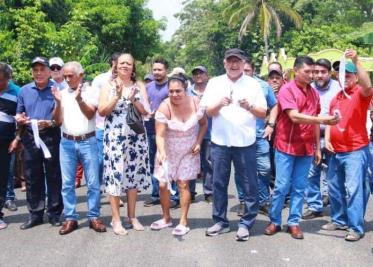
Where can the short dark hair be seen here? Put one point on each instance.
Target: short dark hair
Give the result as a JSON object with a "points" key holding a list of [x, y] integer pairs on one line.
{"points": [[5, 70], [114, 57], [250, 62], [300, 60], [323, 62], [161, 61], [178, 78]]}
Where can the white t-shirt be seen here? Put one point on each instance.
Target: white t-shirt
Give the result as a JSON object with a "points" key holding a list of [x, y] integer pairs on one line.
{"points": [[74, 121], [98, 83], [233, 126]]}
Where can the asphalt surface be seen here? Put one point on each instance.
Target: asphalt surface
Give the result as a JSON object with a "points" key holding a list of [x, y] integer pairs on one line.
{"points": [[43, 246]]}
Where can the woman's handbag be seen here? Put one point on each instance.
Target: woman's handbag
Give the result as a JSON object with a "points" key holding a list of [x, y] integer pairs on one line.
{"points": [[134, 119]]}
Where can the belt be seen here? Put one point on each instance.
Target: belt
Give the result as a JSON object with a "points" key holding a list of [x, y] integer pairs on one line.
{"points": [[78, 137]]}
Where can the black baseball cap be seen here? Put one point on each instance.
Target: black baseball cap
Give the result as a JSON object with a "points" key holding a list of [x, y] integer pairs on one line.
{"points": [[234, 52], [200, 68], [274, 71], [40, 60]]}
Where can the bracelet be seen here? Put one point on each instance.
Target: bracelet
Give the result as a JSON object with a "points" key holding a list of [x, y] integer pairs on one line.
{"points": [[271, 124], [18, 138]]}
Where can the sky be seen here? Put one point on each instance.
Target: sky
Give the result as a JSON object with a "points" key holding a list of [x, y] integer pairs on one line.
{"points": [[166, 8]]}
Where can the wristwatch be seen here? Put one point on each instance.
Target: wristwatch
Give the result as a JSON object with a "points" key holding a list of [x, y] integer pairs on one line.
{"points": [[53, 123], [271, 124]]}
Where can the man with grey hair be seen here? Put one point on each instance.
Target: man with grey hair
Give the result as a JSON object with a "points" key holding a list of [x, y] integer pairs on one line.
{"points": [[75, 111]]}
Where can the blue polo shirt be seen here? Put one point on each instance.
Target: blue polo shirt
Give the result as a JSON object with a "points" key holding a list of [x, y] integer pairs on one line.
{"points": [[271, 101], [37, 104], [8, 106], [156, 94]]}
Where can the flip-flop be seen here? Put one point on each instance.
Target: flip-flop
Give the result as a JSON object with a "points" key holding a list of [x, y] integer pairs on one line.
{"points": [[180, 230], [160, 224]]}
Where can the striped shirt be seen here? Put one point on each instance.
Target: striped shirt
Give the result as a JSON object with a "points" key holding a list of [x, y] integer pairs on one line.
{"points": [[8, 107]]}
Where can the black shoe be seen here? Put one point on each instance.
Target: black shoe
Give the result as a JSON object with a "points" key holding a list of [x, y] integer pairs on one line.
{"points": [[264, 209], [310, 214], [152, 202], [55, 221], [174, 204], [208, 198], [241, 209], [31, 223], [325, 200]]}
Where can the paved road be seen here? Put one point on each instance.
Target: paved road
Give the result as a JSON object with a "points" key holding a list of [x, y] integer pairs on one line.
{"points": [[43, 246]]}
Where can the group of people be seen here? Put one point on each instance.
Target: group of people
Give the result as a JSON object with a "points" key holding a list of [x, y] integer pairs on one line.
{"points": [[289, 130]]}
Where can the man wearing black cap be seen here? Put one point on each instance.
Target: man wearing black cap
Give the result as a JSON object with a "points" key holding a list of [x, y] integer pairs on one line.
{"points": [[327, 88], [234, 110], [35, 110]]}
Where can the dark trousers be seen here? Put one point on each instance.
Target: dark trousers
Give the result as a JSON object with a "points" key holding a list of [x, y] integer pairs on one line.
{"points": [[39, 172], [244, 162], [4, 172]]}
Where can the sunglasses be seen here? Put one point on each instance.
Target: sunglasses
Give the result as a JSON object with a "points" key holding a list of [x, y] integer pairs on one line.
{"points": [[55, 67]]}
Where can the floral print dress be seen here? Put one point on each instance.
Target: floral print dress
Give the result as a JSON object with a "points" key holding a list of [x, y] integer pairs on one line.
{"points": [[126, 157]]}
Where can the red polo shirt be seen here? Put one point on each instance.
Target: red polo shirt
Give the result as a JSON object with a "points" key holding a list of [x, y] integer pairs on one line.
{"points": [[350, 133], [294, 138]]}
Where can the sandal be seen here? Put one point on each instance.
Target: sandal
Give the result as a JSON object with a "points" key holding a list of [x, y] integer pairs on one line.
{"points": [[118, 228], [133, 223], [160, 224], [180, 230]]}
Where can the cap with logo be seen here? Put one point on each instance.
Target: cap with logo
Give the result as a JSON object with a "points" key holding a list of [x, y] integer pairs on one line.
{"points": [[39, 60]]}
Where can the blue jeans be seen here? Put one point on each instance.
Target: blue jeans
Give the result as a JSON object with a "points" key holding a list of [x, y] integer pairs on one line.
{"points": [[100, 150], [206, 166], [10, 195], [349, 189], [291, 175], [244, 162], [263, 168], [85, 152], [317, 182]]}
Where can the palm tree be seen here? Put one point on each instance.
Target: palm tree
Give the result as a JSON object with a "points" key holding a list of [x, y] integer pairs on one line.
{"points": [[265, 13]]}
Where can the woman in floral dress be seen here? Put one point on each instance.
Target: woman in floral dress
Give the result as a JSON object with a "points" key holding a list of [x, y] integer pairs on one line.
{"points": [[126, 160]]}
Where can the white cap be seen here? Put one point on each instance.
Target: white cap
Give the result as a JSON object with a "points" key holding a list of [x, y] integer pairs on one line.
{"points": [[56, 61], [177, 70]]}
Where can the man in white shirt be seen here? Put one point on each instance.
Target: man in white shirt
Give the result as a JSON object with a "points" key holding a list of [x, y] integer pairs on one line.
{"points": [[234, 110], [76, 107]]}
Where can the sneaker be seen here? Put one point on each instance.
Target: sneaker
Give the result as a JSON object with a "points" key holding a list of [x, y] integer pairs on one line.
{"points": [[217, 229], [242, 234], [241, 209], [3, 224], [353, 236], [10, 205], [152, 202], [333, 227], [264, 209], [174, 204], [310, 214], [208, 199]]}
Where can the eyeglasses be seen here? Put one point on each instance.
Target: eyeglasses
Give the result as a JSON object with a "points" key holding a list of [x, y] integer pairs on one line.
{"points": [[55, 67]]}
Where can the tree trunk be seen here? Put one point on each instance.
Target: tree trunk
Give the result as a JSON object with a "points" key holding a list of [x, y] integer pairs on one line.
{"points": [[266, 47]]}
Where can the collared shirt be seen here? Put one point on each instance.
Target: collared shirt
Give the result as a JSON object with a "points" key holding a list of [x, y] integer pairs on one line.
{"points": [[156, 94], [295, 138], [350, 133], [326, 95], [271, 102], [37, 104], [60, 86], [74, 121], [8, 106], [233, 125], [98, 83]]}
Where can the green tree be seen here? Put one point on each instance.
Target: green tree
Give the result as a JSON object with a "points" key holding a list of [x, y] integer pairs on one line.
{"points": [[264, 14]]}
